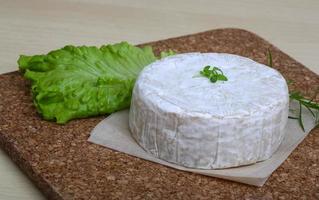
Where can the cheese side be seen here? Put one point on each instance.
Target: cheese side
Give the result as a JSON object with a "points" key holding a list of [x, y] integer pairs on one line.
{"points": [[188, 120]]}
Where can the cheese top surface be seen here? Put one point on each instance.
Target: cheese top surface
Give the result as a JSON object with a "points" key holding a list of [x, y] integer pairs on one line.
{"points": [[251, 87]]}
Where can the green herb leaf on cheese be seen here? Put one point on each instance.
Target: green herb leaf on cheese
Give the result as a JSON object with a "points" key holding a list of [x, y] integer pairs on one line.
{"points": [[214, 74]]}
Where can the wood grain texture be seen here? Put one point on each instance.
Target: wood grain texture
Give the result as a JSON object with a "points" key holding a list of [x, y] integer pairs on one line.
{"points": [[36, 26], [64, 165]]}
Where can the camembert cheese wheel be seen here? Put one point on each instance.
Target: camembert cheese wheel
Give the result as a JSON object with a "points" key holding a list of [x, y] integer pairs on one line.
{"points": [[184, 118]]}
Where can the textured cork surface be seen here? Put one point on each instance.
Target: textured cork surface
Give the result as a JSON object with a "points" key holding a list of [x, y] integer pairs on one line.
{"points": [[64, 165]]}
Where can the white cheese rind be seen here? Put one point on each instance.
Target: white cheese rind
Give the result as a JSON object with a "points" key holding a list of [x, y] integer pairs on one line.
{"points": [[192, 122]]}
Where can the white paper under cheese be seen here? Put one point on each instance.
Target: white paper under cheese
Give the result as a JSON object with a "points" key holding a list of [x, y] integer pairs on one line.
{"points": [[195, 123]]}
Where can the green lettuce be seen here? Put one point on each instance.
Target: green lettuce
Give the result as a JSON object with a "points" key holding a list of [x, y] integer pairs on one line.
{"points": [[77, 82]]}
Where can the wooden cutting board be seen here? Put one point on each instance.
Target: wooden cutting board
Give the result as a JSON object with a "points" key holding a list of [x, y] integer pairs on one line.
{"points": [[60, 161]]}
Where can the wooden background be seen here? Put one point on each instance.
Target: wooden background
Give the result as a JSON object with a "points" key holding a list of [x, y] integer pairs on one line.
{"points": [[37, 26]]}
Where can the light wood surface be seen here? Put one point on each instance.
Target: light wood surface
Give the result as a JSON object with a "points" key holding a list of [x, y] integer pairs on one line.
{"points": [[37, 26]]}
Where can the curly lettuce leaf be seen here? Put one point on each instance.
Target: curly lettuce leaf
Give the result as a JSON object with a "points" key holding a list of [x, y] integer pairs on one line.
{"points": [[77, 82]]}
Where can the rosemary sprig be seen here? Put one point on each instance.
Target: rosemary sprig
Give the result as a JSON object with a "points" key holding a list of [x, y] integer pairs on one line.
{"points": [[214, 74], [311, 106], [269, 58]]}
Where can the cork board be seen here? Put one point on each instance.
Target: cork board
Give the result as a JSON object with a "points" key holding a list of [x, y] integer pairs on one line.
{"points": [[60, 161]]}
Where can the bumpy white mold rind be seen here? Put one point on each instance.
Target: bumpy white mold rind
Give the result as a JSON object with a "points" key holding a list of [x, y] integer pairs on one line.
{"points": [[192, 122]]}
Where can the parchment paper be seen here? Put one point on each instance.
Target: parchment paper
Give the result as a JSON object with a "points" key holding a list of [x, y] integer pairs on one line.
{"points": [[113, 132]]}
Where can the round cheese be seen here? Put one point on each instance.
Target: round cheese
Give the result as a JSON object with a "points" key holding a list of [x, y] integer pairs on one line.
{"points": [[183, 118]]}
